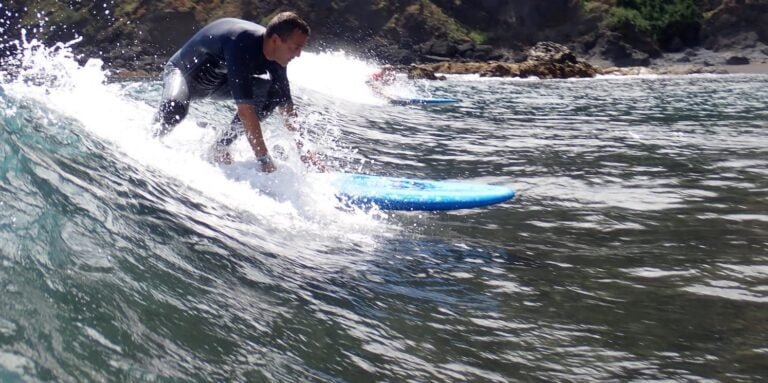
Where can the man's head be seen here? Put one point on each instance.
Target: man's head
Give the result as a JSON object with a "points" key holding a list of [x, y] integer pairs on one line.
{"points": [[286, 36]]}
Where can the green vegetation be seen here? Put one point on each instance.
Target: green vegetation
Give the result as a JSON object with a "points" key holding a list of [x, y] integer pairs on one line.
{"points": [[424, 19], [593, 6], [480, 38], [663, 20], [622, 19]]}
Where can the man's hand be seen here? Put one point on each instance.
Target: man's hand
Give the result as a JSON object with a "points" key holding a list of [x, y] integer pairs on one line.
{"points": [[268, 167], [309, 158], [312, 159]]}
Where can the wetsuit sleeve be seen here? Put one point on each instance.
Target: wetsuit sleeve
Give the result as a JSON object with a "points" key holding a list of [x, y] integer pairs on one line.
{"points": [[239, 62], [280, 91]]}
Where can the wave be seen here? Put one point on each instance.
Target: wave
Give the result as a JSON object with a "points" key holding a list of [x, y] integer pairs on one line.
{"points": [[93, 209]]}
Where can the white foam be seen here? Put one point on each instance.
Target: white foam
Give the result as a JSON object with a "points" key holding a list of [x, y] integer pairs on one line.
{"points": [[335, 74], [286, 199], [344, 77]]}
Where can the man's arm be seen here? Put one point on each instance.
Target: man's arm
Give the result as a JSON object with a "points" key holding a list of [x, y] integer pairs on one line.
{"points": [[250, 120]]}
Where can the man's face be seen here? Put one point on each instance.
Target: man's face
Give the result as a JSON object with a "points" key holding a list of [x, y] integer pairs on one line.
{"points": [[290, 48]]}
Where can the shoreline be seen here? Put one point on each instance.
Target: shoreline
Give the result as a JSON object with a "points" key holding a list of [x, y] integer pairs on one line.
{"points": [[688, 69], [752, 68], [116, 74], [543, 60]]}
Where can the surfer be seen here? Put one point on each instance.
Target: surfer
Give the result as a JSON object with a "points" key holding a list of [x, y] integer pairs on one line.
{"points": [[233, 59], [381, 78]]}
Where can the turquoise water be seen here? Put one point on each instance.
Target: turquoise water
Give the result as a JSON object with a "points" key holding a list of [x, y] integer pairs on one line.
{"points": [[636, 249]]}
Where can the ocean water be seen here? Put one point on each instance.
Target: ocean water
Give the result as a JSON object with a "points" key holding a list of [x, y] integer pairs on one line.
{"points": [[636, 249]]}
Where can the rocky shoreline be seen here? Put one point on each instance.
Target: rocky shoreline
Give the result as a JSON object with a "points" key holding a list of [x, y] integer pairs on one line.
{"points": [[544, 60], [547, 60], [489, 37]]}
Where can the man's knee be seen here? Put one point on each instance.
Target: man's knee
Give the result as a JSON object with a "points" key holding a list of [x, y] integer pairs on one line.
{"points": [[172, 111], [169, 114]]}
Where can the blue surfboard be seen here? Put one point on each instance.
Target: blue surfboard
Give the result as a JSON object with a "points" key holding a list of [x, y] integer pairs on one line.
{"points": [[391, 193], [422, 101]]}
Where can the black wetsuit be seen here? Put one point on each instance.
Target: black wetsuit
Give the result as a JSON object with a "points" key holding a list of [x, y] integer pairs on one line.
{"points": [[223, 61]]}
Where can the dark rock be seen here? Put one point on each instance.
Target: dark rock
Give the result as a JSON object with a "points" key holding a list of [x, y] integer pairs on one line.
{"points": [[402, 56], [466, 50], [623, 55], [729, 42], [382, 50], [550, 70], [420, 72], [495, 56], [125, 74], [551, 52], [551, 61], [636, 39], [118, 63], [456, 68], [736, 25], [498, 70], [170, 30], [737, 60], [442, 48], [486, 49], [481, 53], [433, 59], [517, 57], [406, 43], [674, 45]]}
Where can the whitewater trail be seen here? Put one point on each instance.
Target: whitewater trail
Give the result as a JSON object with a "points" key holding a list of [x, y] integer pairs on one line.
{"points": [[289, 199]]}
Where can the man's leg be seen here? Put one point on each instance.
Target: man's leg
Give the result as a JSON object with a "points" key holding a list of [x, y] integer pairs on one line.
{"points": [[226, 137], [230, 134], [175, 101]]}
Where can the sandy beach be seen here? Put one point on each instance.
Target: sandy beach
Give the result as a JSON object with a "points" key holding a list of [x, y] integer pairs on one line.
{"points": [[760, 68]]}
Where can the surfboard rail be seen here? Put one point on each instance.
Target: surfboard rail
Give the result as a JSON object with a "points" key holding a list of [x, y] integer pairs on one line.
{"points": [[422, 101], [404, 194]]}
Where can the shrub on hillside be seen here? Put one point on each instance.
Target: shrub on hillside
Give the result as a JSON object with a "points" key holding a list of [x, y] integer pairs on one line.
{"points": [[672, 23]]}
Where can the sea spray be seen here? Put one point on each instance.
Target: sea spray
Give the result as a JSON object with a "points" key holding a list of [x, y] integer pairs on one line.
{"points": [[287, 201]]}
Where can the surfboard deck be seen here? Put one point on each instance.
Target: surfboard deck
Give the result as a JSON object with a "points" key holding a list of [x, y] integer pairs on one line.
{"points": [[392, 193], [422, 101]]}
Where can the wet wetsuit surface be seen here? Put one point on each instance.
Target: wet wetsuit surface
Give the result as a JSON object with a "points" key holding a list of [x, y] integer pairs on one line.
{"points": [[225, 60]]}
